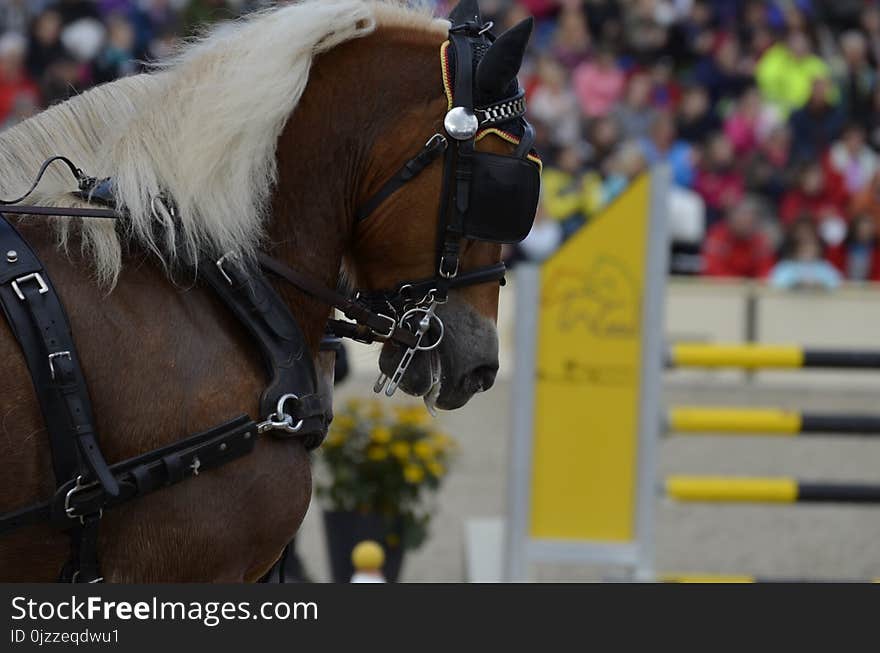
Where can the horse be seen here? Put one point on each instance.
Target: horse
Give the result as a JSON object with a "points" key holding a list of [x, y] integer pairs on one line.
{"points": [[268, 132]]}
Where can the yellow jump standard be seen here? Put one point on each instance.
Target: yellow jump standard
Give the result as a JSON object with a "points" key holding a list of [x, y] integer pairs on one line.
{"points": [[767, 421], [732, 489], [748, 356]]}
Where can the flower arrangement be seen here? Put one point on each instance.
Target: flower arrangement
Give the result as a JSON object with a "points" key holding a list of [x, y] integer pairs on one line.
{"points": [[388, 462]]}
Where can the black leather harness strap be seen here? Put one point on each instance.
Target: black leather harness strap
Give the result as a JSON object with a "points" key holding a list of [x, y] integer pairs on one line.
{"points": [[281, 341], [140, 475], [37, 317], [382, 326], [410, 170]]}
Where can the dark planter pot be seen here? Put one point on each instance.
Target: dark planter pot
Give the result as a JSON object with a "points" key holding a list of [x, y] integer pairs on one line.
{"points": [[345, 529]]}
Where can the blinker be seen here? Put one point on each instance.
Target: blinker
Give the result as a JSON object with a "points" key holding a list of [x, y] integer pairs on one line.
{"points": [[461, 123]]}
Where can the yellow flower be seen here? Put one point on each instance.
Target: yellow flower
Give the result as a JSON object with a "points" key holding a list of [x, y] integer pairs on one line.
{"points": [[423, 450], [442, 442], [413, 474], [412, 415], [380, 435], [344, 422], [437, 469], [377, 454], [400, 450], [354, 405]]}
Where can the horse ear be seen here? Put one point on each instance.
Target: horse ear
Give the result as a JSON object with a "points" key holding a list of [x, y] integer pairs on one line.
{"points": [[502, 60], [466, 11]]}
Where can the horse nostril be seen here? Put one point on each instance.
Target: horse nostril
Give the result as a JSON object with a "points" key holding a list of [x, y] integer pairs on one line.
{"points": [[481, 378]]}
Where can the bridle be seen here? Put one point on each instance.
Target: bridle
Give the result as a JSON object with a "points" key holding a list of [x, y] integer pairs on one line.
{"points": [[468, 176]]}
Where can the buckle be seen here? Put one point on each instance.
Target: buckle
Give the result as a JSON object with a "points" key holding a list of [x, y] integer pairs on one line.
{"points": [[57, 354], [219, 263], [392, 325], [279, 420], [73, 579], [70, 510], [43, 288], [442, 269]]}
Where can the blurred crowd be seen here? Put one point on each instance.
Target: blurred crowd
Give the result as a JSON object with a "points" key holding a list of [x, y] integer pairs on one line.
{"points": [[767, 113], [52, 49]]}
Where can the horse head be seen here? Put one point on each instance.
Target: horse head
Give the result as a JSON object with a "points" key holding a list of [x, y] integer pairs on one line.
{"points": [[451, 217]]}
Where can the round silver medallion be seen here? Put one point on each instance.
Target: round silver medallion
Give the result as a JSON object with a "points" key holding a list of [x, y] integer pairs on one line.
{"points": [[461, 124]]}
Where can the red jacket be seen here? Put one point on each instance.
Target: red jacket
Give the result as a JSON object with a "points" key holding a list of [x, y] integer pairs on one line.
{"points": [[725, 255], [839, 257], [10, 91]]}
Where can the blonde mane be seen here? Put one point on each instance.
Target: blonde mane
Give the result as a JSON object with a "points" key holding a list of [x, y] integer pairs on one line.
{"points": [[200, 130]]}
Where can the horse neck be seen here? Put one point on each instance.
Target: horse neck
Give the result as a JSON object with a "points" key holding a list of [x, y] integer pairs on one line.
{"points": [[326, 154]]}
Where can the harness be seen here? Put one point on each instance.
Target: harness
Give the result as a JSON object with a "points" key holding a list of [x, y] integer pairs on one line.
{"points": [[484, 196]]}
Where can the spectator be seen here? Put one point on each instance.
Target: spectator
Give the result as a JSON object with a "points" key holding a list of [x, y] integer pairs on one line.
{"points": [[766, 169], [858, 256], [801, 265], [564, 193], [814, 197], [816, 125], [603, 136], [736, 246], [749, 123], [867, 201], [16, 87], [787, 71], [858, 79], [718, 181], [572, 43], [696, 119], [45, 43], [636, 114], [627, 163], [553, 103], [117, 58], [725, 73], [664, 146], [853, 160], [598, 84]]}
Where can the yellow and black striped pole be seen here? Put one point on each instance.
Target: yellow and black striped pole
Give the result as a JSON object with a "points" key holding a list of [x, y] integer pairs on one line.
{"points": [[734, 489], [766, 421], [755, 356], [745, 578]]}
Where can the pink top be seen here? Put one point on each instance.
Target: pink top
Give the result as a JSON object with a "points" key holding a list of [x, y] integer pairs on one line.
{"points": [[597, 88], [742, 133]]}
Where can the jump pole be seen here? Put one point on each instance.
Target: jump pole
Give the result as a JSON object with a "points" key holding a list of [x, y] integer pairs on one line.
{"points": [[757, 356], [724, 489], [696, 420]]}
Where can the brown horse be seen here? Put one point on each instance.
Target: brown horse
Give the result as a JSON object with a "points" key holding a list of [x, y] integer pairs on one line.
{"points": [[165, 359]]}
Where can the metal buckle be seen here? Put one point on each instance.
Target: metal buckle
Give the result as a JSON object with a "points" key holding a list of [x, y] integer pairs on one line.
{"points": [[279, 420], [43, 288], [448, 275], [57, 354], [436, 138], [78, 487], [220, 261], [99, 579], [392, 325]]}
